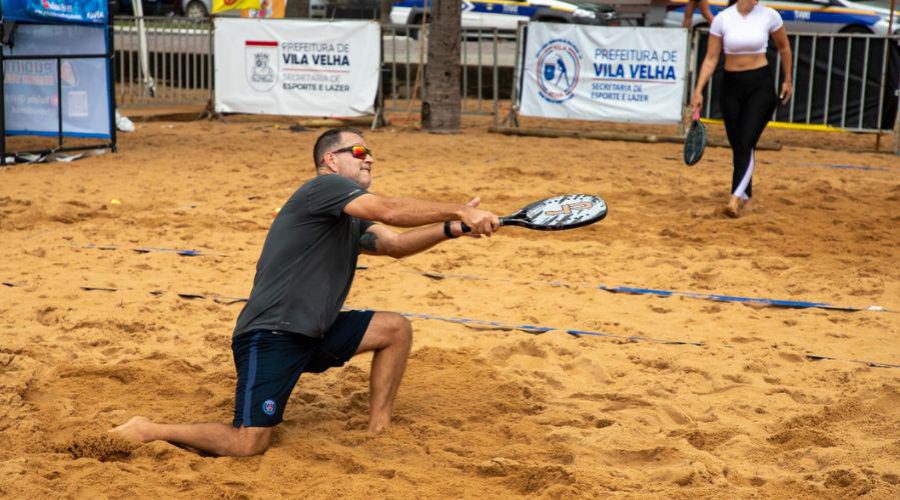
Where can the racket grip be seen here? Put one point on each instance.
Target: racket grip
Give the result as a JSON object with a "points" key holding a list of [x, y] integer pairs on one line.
{"points": [[467, 229]]}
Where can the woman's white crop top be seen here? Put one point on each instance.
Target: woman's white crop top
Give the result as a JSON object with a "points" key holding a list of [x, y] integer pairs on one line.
{"points": [[745, 35]]}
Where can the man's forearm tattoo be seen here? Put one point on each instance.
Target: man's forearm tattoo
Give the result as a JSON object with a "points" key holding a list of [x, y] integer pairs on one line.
{"points": [[368, 242]]}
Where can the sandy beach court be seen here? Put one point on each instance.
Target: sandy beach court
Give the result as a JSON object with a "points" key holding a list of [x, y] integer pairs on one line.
{"points": [[676, 396]]}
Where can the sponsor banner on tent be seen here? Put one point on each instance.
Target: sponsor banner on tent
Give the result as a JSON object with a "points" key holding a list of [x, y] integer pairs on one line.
{"points": [[268, 9], [307, 68], [74, 11], [223, 5], [604, 73], [30, 93]]}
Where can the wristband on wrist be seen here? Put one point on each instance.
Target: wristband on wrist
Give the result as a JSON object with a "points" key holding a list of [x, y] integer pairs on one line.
{"points": [[447, 231]]}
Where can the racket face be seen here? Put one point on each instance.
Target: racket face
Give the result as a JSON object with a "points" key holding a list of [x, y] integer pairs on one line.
{"points": [[560, 212], [694, 143]]}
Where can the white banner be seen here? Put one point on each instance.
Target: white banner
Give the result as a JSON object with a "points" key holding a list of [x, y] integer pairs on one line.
{"points": [[306, 68], [604, 73]]}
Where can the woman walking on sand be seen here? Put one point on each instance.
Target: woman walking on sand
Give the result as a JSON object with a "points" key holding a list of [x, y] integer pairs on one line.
{"points": [[748, 88]]}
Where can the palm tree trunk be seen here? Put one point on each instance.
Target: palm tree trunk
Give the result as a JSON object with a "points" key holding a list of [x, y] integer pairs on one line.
{"points": [[441, 108], [385, 9]]}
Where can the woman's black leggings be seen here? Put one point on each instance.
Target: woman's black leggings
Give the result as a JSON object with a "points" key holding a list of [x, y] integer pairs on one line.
{"points": [[747, 100]]}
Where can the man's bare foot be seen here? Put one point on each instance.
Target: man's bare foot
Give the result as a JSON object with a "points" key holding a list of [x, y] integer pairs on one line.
{"points": [[733, 208], [134, 430]]}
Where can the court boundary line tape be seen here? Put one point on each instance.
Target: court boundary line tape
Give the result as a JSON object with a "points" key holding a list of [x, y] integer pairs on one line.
{"points": [[845, 167], [786, 304], [182, 252], [533, 329]]}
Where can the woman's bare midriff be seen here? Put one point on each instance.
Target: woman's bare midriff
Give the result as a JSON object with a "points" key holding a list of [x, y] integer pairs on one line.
{"points": [[744, 62]]}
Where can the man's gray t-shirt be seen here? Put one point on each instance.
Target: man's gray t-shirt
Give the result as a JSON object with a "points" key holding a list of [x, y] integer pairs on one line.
{"points": [[307, 262]]}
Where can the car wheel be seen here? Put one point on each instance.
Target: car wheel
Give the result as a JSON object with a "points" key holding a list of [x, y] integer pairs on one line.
{"points": [[195, 10], [857, 29]]}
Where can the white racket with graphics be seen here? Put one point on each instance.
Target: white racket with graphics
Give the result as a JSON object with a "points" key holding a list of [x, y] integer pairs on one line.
{"points": [[557, 213]]}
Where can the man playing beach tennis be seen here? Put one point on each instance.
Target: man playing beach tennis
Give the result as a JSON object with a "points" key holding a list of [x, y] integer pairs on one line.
{"points": [[292, 322]]}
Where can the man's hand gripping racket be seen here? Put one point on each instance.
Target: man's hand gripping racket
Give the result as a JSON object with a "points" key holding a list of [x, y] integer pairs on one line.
{"points": [[477, 222], [556, 214]]}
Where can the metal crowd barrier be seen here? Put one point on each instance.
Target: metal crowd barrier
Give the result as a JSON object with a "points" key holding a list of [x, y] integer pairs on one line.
{"points": [[179, 69], [840, 80], [847, 81], [481, 58], [179, 66]]}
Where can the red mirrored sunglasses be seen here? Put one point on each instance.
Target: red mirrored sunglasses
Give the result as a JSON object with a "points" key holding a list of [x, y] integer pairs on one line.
{"points": [[358, 152]]}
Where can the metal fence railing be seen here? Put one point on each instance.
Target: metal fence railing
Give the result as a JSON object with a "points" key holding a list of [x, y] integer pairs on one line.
{"points": [[481, 59], [179, 65], [178, 68], [848, 81]]}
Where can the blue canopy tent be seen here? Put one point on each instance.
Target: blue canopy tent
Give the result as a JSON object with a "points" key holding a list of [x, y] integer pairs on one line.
{"points": [[55, 69]]}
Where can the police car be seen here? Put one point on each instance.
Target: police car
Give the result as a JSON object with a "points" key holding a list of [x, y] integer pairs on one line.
{"points": [[808, 16], [506, 14]]}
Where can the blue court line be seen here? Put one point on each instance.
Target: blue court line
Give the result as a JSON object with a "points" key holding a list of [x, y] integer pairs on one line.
{"points": [[186, 253], [630, 338], [87, 288], [538, 329], [792, 304], [535, 329], [845, 167], [221, 299]]}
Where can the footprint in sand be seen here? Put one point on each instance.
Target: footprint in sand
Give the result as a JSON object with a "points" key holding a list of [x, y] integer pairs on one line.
{"points": [[100, 446], [710, 440], [526, 479]]}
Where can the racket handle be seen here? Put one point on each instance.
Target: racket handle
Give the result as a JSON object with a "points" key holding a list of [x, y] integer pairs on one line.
{"points": [[467, 229]]}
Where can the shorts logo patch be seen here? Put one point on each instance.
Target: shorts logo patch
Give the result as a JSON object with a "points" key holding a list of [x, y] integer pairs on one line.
{"points": [[268, 407]]}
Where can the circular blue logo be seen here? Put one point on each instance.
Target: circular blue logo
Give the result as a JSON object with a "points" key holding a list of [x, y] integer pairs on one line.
{"points": [[558, 66], [268, 407]]}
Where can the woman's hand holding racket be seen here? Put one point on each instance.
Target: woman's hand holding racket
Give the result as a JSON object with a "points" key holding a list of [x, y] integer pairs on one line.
{"points": [[696, 103], [787, 89]]}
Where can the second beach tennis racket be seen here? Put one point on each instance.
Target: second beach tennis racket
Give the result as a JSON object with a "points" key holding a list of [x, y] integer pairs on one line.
{"points": [[557, 213], [694, 141]]}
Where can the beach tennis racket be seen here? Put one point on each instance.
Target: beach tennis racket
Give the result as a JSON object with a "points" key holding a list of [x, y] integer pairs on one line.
{"points": [[694, 141], [557, 213]]}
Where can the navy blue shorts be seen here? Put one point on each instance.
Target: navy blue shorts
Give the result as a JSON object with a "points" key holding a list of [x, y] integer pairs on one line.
{"points": [[269, 363]]}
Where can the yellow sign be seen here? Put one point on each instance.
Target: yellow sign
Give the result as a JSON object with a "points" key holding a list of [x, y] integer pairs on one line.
{"points": [[223, 5]]}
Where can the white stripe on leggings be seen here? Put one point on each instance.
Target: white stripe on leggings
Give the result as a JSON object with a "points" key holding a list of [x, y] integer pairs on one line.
{"points": [[740, 192]]}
